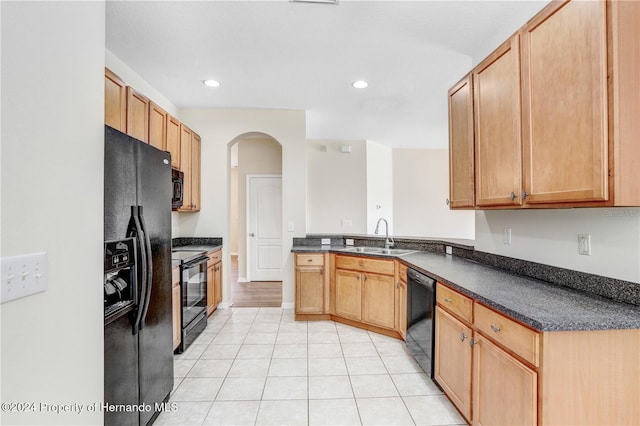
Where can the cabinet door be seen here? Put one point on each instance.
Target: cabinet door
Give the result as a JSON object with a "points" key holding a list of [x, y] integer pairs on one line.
{"points": [[401, 304], [378, 300], [461, 168], [211, 289], [173, 141], [157, 127], [177, 312], [564, 77], [195, 172], [496, 84], [453, 360], [185, 166], [310, 290], [137, 115], [504, 390], [348, 294], [218, 284], [115, 101]]}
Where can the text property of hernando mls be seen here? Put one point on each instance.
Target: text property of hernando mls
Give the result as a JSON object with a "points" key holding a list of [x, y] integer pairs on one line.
{"points": [[44, 407]]}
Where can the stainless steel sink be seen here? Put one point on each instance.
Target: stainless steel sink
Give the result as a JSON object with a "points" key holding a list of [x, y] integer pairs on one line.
{"points": [[379, 250]]}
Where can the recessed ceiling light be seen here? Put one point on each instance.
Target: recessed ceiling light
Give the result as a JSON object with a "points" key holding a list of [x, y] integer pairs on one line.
{"points": [[359, 84], [211, 83]]}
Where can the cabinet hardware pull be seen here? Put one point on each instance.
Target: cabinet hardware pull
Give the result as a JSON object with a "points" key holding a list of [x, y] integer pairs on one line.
{"points": [[358, 277], [446, 299], [474, 342], [321, 271], [513, 196], [309, 260], [360, 263], [495, 328], [462, 337], [397, 285], [524, 195]]}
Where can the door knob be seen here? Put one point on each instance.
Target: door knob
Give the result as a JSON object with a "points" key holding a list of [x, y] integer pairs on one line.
{"points": [[252, 234]]}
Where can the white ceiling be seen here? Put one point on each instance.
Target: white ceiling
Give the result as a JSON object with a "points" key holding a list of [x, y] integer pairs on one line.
{"points": [[284, 55]]}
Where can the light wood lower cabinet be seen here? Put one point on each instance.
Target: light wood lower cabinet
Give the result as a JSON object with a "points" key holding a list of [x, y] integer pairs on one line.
{"points": [[214, 281], [520, 376], [310, 290], [378, 300], [176, 307], [348, 295], [505, 390], [452, 363]]}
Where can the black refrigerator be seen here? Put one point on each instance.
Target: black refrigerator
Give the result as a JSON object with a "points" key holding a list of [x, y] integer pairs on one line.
{"points": [[138, 345]]}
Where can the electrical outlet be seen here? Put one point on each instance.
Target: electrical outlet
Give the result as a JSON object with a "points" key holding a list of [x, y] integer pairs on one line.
{"points": [[584, 244], [506, 236], [23, 276], [348, 241], [448, 250], [325, 241]]}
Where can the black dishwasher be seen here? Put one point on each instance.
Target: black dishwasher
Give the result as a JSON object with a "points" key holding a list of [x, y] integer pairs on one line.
{"points": [[421, 304]]}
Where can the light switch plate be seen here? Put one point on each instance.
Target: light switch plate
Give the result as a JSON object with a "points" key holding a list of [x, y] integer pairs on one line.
{"points": [[346, 222], [23, 275], [448, 250], [325, 241], [291, 227]]}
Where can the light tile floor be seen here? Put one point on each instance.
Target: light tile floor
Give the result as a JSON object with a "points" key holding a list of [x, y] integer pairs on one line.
{"points": [[258, 366]]}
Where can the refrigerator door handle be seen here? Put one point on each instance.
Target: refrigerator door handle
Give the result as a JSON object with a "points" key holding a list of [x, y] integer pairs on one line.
{"points": [[149, 278], [135, 230]]}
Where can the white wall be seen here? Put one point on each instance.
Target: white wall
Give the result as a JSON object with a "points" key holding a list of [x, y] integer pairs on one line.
{"points": [[420, 190], [261, 155], [52, 200], [218, 128], [379, 186], [551, 237], [336, 187]]}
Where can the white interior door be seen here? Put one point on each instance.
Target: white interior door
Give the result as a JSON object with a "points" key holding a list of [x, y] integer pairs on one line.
{"points": [[264, 227]]}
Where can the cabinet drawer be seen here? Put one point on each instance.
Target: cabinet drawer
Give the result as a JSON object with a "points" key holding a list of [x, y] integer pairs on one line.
{"points": [[214, 258], [403, 272], [315, 259], [384, 267], [175, 277], [455, 302], [515, 337]]}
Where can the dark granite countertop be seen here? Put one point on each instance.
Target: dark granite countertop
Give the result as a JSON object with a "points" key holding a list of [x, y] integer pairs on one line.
{"points": [[541, 305], [207, 248]]}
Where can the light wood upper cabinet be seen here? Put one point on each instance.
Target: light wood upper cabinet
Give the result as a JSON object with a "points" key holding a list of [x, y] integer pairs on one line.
{"points": [[564, 76], [185, 166], [173, 140], [137, 115], [157, 127], [115, 101], [195, 171], [190, 166], [498, 159], [461, 146]]}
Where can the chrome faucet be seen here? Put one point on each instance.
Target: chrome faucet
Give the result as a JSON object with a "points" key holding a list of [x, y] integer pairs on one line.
{"points": [[388, 242]]}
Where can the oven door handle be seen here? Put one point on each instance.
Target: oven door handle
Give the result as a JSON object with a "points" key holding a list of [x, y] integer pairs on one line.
{"points": [[135, 230], [149, 277]]}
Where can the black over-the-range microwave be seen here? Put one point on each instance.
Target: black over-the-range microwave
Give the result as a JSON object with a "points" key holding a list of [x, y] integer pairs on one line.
{"points": [[177, 178]]}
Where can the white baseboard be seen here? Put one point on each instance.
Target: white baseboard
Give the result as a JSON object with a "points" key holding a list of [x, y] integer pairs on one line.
{"points": [[288, 305], [243, 280], [233, 253], [224, 305]]}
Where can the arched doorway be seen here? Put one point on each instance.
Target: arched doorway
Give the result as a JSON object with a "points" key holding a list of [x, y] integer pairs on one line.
{"points": [[255, 220]]}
